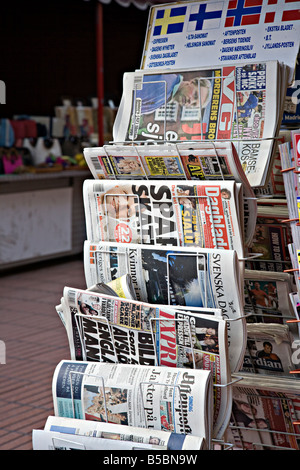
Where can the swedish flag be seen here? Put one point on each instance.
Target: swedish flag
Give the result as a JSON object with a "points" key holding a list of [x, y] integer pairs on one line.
{"points": [[169, 21]]}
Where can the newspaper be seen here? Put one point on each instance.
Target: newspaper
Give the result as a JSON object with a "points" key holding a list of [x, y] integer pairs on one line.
{"points": [[206, 214], [108, 436], [177, 276], [108, 329], [265, 410], [269, 350], [198, 161], [271, 238], [158, 398], [267, 296], [120, 287], [227, 102]]}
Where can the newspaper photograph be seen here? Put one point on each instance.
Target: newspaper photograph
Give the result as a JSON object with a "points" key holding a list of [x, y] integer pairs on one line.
{"points": [[227, 102], [158, 398], [126, 332], [264, 413], [177, 277], [109, 436], [207, 214], [267, 296]]}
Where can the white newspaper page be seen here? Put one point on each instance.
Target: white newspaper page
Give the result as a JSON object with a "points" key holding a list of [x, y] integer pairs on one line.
{"points": [[160, 398], [163, 440]]}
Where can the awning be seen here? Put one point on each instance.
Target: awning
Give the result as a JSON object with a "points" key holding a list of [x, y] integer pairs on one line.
{"points": [[141, 4]]}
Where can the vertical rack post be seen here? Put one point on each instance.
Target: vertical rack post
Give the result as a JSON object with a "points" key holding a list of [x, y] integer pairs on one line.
{"points": [[100, 84]]}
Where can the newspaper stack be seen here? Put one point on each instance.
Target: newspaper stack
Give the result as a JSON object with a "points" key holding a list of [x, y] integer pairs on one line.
{"points": [[230, 102], [109, 329], [204, 214], [197, 161], [177, 276], [158, 398], [80, 434], [265, 414]]}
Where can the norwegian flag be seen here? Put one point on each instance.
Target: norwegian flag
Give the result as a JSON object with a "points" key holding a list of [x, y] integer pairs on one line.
{"points": [[243, 12]]}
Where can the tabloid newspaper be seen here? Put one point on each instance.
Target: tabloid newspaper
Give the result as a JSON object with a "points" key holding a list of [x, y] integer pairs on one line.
{"points": [[177, 276], [267, 296], [207, 214], [197, 161], [265, 412], [70, 433], [110, 329], [227, 102], [269, 350], [158, 398], [271, 238]]}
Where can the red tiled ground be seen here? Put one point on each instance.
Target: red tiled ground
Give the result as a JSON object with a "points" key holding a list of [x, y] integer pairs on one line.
{"points": [[35, 342]]}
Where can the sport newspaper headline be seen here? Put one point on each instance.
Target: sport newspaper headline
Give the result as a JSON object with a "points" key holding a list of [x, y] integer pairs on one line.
{"points": [[155, 273], [149, 112], [206, 214], [196, 161]]}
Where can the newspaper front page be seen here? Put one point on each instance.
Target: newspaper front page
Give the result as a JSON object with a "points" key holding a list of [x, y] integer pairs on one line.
{"points": [[66, 433], [206, 214], [177, 276], [264, 414], [197, 161], [227, 102], [158, 398]]}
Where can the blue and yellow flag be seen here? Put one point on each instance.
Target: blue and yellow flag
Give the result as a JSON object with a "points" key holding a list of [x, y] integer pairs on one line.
{"points": [[169, 21]]}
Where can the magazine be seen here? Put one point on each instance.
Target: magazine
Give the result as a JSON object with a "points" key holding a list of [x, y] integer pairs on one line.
{"points": [[108, 436], [269, 350], [267, 296], [177, 276], [205, 214], [264, 413], [158, 398], [198, 161], [227, 102]]}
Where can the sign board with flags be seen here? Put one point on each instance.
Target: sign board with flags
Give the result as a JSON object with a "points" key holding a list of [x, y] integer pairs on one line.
{"points": [[207, 32]]}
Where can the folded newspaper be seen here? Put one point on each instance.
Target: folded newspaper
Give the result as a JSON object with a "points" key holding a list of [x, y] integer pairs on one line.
{"points": [[269, 350], [229, 102], [177, 276], [193, 161], [72, 434], [206, 214], [158, 398], [108, 329], [265, 412], [267, 296]]}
